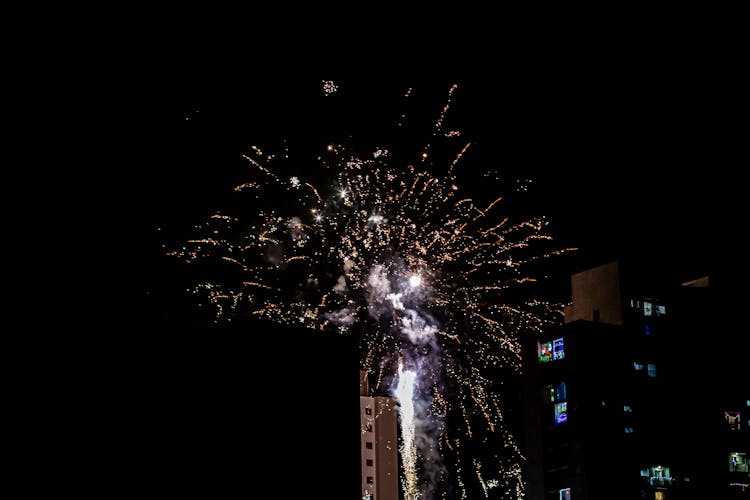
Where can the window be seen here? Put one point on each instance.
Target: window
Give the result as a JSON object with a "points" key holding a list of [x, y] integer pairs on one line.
{"points": [[558, 349], [368, 445], [551, 351], [638, 367], [555, 393], [628, 430], [737, 462], [651, 370], [661, 311], [368, 411], [658, 495], [368, 427], [369, 479], [659, 476], [635, 304], [644, 472], [565, 494], [734, 420], [561, 413], [545, 352], [369, 462], [647, 308], [627, 409], [647, 330]]}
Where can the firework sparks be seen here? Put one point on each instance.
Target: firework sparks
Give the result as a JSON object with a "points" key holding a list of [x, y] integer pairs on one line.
{"points": [[396, 254], [329, 87], [405, 395]]}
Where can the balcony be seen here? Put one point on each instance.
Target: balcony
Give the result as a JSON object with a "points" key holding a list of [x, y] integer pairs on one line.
{"points": [[660, 482]]}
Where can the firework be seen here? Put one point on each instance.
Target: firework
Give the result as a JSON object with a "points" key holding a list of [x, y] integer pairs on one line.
{"points": [[391, 250], [405, 396]]}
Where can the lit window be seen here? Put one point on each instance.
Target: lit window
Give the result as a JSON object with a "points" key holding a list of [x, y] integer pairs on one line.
{"points": [[565, 494], [551, 351], [628, 430], [549, 394], [644, 472], [545, 352], [651, 370], [368, 411], [659, 495], [561, 413], [368, 427], [661, 311], [555, 393], [558, 349], [737, 462], [635, 304], [638, 367], [369, 462], [733, 418], [627, 409], [369, 479], [748, 402], [647, 308], [648, 330], [368, 445]]}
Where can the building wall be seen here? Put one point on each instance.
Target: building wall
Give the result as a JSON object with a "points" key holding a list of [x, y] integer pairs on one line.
{"points": [[379, 428], [596, 289]]}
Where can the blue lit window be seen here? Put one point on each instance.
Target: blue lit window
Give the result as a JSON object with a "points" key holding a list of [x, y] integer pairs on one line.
{"points": [[651, 370], [561, 413], [648, 330], [565, 494], [627, 409], [644, 472], [661, 311], [558, 349], [628, 430], [638, 367]]}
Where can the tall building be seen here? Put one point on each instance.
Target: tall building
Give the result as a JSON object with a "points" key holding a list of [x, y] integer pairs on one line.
{"points": [[379, 444], [639, 395]]}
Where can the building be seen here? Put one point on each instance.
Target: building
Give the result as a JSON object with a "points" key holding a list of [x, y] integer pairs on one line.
{"points": [[639, 395], [379, 444]]}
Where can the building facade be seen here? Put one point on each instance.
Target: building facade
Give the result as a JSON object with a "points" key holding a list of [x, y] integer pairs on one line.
{"points": [[379, 444], [639, 395]]}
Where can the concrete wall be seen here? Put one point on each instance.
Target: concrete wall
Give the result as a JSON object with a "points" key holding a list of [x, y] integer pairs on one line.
{"points": [[596, 289]]}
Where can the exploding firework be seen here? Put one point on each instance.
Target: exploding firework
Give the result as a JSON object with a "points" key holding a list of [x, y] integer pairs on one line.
{"points": [[392, 250]]}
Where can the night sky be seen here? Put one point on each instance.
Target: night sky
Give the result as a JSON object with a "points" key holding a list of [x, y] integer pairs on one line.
{"points": [[624, 163]]}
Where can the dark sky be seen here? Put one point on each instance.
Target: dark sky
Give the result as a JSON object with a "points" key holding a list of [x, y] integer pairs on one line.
{"points": [[638, 162]]}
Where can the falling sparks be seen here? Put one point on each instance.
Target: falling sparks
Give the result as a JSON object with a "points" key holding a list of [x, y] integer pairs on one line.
{"points": [[394, 251], [405, 396]]}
